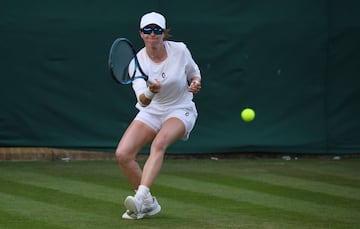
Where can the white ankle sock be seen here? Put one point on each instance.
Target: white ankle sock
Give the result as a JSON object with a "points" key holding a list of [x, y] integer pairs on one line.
{"points": [[142, 192]]}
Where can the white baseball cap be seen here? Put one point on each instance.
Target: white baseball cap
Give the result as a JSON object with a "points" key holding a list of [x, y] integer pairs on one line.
{"points": [[153, 18]]}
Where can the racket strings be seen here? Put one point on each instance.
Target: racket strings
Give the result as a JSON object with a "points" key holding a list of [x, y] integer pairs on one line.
{"points": [[123, 63], [122, 55]]}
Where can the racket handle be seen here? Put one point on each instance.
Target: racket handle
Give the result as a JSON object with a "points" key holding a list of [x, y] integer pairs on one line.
{"points": [[151, 81]]}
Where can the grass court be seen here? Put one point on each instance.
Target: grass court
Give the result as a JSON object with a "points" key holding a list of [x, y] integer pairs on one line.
{"points": [[193, 193]]}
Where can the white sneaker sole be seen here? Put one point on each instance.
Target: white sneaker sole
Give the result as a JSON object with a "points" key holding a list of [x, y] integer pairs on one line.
{"points": [[130, 204], [132, 216]]}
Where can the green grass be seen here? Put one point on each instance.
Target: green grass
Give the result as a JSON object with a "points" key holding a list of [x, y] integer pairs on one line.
{"points": [[239, 193]]}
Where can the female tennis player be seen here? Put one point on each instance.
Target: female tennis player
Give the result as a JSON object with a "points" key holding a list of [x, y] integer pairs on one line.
{"points": [[166, 111]]}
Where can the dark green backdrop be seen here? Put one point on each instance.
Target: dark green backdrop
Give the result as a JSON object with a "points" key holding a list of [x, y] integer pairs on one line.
{"points": [[295, 62]]}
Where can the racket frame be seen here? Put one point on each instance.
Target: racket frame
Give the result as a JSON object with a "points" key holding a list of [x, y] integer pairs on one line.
{"points": [[137, 64]]}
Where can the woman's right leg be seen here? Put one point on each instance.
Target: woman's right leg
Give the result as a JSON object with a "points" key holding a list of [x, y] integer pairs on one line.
{"points": [[137, 135]]}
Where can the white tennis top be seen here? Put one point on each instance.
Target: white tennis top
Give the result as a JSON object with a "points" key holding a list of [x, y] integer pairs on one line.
{"points": [[174, 73]]}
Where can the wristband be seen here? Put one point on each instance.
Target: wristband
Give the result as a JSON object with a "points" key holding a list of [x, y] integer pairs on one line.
{"points": [[148, 94]]}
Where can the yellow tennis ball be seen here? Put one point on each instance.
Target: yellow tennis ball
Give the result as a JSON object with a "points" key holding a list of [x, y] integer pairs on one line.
{"points": [[248, 114]]}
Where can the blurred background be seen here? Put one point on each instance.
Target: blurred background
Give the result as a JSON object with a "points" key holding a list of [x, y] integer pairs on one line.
{"points": [[296, 63]]}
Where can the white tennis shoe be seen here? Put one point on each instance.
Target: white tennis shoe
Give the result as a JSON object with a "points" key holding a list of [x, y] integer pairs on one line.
{"points": [[151, 209], [137, 210], [132, 215], [132, 204]]}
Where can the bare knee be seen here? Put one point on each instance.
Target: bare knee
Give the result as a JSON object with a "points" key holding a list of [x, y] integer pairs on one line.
{"points": [[160, 144], [124, 156]]}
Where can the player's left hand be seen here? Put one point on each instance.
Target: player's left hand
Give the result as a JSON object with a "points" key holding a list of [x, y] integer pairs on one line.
{"points": [[195, 86]]}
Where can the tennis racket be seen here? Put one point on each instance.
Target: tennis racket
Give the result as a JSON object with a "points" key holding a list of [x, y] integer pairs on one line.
{"points": [[123, 63]]}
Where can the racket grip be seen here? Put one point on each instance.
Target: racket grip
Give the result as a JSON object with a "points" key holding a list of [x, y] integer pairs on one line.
{"points": [[151, 81]]}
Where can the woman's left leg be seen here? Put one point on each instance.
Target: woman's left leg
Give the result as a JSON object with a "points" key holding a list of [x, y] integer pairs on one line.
{"points": [[172, 130]]}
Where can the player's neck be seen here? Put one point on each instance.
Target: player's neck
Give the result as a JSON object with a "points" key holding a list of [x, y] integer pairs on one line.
{"points": [[157, 54]]}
